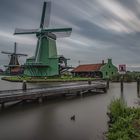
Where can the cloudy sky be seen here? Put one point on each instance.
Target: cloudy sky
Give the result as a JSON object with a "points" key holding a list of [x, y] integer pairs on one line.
{"points": [[101, 29]]}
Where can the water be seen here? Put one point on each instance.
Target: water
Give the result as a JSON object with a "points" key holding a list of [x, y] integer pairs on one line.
{"points": [[51, 121]]}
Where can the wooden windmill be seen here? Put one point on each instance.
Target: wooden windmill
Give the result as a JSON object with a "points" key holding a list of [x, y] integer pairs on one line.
{"points": [[14, 63], [45, 60]]}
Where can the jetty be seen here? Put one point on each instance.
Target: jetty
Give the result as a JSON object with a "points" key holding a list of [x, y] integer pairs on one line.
{"points": [[40, 93]]}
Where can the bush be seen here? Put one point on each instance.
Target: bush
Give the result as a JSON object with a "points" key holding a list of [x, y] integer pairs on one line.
{"points": [[122, 118]]}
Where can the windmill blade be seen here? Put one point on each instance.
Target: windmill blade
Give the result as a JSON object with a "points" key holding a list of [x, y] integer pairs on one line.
{"points": [[45, 18], [25, 31], [15, 48], [20, 54], [6, 52], [60, 32], [47, 14]]}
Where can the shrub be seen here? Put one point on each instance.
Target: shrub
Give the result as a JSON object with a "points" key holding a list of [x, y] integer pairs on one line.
{"points": [[122, 118]]}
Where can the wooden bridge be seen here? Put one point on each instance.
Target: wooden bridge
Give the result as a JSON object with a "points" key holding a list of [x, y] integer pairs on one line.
{"points": [[40, 93]]}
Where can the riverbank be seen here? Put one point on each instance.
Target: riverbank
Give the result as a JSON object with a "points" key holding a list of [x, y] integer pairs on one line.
{"points": [[44, 79], [124, 123]]}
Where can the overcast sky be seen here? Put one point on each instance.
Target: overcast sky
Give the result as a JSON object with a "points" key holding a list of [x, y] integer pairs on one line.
{"points": [[101, 29]]}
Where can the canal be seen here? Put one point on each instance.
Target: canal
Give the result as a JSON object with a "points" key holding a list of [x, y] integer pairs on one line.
{"points": [[51, 121]]}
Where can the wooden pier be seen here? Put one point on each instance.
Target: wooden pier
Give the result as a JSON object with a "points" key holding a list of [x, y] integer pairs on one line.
{"points": [[40, 93]]}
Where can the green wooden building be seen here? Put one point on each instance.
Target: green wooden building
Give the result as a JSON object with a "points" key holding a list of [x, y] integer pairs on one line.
{"points": [[108, 70], [100, 70]]}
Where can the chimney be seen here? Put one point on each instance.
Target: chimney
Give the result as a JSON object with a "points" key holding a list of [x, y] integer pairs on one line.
{"points": [[103, 62], [110, 60]]}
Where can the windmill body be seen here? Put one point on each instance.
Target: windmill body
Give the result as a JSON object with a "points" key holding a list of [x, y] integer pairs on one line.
{"points": [[45, 62]]}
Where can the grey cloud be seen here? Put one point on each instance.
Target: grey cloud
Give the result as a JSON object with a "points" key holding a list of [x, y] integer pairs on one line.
{"points": [[91, 21]]}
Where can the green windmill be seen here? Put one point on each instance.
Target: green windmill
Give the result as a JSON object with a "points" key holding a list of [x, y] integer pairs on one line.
{"points": [[45, 61]]}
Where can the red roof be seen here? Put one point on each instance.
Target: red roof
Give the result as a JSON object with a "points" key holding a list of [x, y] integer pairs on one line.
{"points": [[88, 68]]}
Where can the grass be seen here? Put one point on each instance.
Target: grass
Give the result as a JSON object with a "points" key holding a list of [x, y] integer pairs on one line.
{"points": [[45, 79], [124, 121]]}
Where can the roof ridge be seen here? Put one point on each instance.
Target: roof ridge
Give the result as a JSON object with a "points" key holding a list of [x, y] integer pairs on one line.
{"points": [[91, 64]]}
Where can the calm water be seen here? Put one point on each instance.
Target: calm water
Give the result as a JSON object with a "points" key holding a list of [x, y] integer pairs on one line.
{"points": [[51, 121]]}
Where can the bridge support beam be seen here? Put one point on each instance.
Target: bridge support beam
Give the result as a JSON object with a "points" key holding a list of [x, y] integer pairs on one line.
{"points": [[2, 106], [79, 93], [40, 100], [105, 90]]}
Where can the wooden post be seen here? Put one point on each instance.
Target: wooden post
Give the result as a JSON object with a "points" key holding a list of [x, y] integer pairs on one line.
{"points": [[121, 83], [107, 83], [138, 86], [89, 82], [24, 85]]}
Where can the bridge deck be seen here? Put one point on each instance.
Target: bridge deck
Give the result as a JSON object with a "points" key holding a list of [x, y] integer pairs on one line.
{"points": [[35, 93]]}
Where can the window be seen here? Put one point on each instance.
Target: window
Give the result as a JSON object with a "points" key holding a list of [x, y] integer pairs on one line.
{"points": [[106, 73], [109, 66], [112, 73]]}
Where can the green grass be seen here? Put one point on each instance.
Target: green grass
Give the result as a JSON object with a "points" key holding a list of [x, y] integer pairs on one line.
{"points": [[43, 79], [124, 121]]}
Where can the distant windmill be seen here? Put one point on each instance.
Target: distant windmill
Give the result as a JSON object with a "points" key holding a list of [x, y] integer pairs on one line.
{"points": [[13, 58], [45, 62]]}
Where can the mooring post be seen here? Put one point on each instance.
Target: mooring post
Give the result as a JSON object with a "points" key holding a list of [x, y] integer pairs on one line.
{"points": [[121, 84], [107, 83], [24, 85], [89, 82], [138, 86]]}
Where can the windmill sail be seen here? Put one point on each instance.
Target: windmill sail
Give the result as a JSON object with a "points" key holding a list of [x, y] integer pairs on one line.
{"points": [[45, 18], [25, 31], [47, 15], [20, 54], [6, 52], [15, 48], [60, 32]]}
